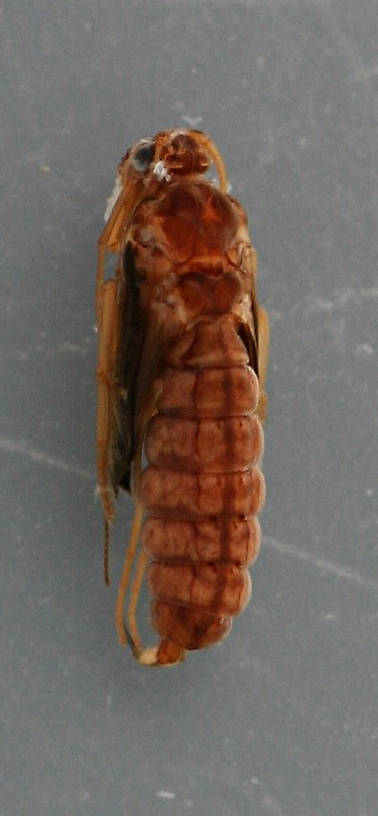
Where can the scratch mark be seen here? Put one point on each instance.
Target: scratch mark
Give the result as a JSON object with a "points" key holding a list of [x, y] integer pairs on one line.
{"points": [[19, 446], [64, 348], [347, 47], [316, 305], [192, 121], [362, 349], [164, 794], [271, 805], [321, 563]]}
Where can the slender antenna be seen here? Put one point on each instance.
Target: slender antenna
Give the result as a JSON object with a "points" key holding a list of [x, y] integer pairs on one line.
{"points": [[106, 552], [216, 157]]}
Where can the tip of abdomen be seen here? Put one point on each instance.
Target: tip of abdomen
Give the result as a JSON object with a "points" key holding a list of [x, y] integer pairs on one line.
{"points": [[190, 627], [165, 653]]}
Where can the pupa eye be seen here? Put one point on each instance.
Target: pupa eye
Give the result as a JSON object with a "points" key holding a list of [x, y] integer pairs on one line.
{"points": [[143, 156]]}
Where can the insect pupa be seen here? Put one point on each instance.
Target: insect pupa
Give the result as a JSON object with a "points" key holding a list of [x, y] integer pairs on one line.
{"points": [[182, 359]]}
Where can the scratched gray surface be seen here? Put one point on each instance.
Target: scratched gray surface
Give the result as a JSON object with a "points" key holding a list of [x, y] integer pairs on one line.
{"points": [[280, 720]]}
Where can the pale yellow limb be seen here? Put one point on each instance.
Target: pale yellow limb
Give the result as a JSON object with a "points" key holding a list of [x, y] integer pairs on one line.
{"points": [[134, 597], [215, 156], [111, 236], [108, 326], [108, 332], [107, 242], [132, 548], [165, 653], [125, 577], [263, 356]]}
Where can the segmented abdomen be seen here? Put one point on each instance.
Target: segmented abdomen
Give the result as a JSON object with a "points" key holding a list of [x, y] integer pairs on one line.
{"points": [[203, 486]]}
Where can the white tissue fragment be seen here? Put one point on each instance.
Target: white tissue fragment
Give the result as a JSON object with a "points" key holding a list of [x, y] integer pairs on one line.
{"points": [[164, 794], [161, 172]]}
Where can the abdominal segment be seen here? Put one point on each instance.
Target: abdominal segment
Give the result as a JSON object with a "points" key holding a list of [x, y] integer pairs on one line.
{"points": [[203, 486], [213, 445], [180, 494], [230, 541]]}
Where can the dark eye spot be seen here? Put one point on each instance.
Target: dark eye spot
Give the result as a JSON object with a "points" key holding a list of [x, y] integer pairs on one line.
{"points": [[143, 156]]}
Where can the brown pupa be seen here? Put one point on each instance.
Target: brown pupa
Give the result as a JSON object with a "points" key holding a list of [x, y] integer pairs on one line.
{"points": [[183, 349]]}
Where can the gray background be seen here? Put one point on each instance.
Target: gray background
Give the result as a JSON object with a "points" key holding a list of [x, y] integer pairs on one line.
{"points": [[281, 719]]}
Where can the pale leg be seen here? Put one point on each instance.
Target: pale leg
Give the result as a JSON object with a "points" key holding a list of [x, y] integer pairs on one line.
{"points": [[108, 331], [263, 355], [125, 577]]}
